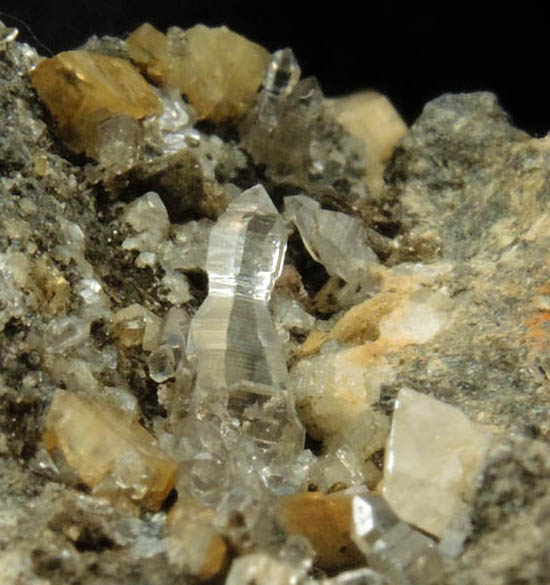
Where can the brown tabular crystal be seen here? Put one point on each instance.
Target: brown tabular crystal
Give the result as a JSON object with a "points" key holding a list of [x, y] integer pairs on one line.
{"points": [[109, 450], [82, 90], [325, 520], [217, 70]]}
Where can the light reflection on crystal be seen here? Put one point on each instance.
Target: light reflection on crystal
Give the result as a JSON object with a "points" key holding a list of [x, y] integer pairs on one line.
{"points": [[392, 547]]}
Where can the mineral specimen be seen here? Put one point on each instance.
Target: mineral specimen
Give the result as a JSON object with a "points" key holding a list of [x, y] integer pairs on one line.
{"points": [[302, 146], [423, 266], [432, 462], [85, 90], [232, 334]]}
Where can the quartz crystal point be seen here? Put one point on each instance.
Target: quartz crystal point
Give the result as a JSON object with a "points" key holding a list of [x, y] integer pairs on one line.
{"points": [[392, 547], [280, 78], [232, 336]]}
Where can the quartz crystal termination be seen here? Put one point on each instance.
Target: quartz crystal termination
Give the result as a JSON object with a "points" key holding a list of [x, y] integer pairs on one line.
{"points": [[232, 336], [392, 547], [280, 78]]}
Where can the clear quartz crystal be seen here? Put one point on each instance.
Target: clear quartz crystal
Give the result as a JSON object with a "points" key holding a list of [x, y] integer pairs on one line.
{"points": [[282, 73], [336, 240], [393, 547], [232, 335], [281, 76]]}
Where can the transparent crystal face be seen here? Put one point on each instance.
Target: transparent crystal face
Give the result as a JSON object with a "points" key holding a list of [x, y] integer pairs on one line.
{"points": [[232, 335], [282, 73]]}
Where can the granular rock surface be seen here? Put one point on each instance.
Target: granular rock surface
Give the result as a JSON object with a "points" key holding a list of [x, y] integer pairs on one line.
{"points": [[105, 261]]}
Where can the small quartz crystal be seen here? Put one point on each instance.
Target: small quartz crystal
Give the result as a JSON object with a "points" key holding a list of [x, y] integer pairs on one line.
{"points": [[281, 76], [337, 241], [232, 335], [392, 547], [433, 458], [135, 325], [148, 218]]}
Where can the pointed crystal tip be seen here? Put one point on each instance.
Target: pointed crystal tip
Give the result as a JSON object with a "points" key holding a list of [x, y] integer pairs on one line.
{"points": [[282, 73]]}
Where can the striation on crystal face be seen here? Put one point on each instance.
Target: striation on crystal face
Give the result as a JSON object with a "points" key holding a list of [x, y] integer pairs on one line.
{"points": [[392, 547], [232, 336]]}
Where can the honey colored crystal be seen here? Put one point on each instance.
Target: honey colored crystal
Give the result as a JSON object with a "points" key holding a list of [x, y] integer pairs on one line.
{"points": [[325, 520], [217, 70], [107, 447], [83, 90], [193, 544]]}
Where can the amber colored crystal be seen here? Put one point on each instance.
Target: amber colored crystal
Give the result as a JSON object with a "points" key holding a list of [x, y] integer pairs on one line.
{"points": [[325, 520], [218, 70], [82, 90], [106, 446]]}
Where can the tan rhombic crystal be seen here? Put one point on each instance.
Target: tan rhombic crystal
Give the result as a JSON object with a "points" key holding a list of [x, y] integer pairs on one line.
{"points": [[83, 90], [325, 520], [109, 450], [433, 458], [193, 544], [218, 70], [370, 116]]}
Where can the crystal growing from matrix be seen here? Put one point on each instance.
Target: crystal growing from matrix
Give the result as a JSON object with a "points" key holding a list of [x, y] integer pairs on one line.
{"points": [[280, 78], [282, 73], [232, 336]]}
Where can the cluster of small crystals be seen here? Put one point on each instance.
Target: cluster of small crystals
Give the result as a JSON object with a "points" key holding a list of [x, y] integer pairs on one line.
{"points": [[235, 384]]}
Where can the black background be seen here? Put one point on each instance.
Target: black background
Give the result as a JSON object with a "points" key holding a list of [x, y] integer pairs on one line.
{"points": [[412, 56]]}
